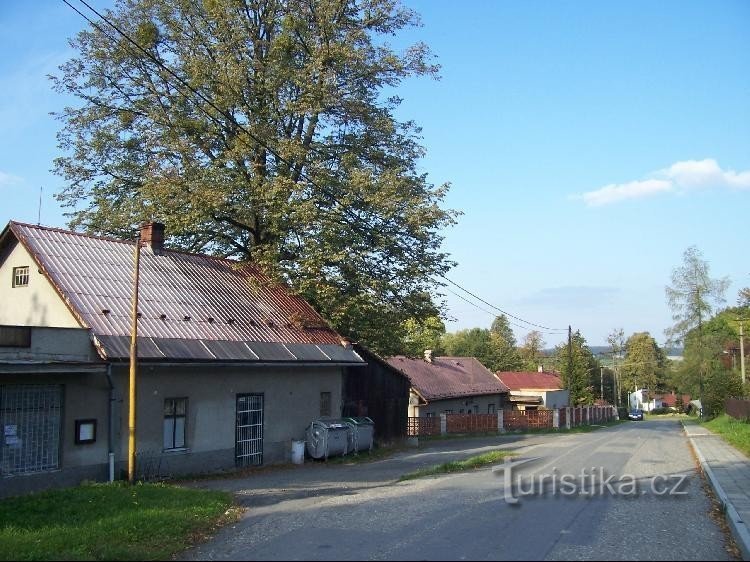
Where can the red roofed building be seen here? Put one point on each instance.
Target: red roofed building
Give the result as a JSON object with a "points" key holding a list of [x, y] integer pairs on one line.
{"points": [[450, 385], [232, 366], [530, 390]]}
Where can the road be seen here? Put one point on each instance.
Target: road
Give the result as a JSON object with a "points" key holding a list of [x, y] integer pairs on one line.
{"points": [[596, 496]]}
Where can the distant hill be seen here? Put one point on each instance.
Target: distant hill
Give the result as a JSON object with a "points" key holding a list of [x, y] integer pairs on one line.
{"points": [[604, 351]]}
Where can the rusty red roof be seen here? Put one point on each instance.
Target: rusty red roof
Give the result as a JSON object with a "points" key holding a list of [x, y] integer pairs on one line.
{"points": [[448, 377], [184, 298], [527, 380]]}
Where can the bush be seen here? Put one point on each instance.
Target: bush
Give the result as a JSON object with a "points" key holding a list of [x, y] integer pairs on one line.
{"points": [[660, 411]]}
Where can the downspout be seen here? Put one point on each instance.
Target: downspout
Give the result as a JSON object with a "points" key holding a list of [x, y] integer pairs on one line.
{"points": [[110, 425]]}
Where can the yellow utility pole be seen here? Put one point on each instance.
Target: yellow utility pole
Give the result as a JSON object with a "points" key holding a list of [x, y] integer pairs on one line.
{"points": [[133, 364]]}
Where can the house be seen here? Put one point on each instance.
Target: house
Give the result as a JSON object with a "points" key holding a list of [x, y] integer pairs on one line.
{"points": [[450, 385], [232, 366], [644, 399], [378, 391], [671, 400], [530, 390]]}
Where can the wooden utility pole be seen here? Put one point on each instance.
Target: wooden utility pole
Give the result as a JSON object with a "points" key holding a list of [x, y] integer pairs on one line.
{"points": [[133, 364], [742, 354]]}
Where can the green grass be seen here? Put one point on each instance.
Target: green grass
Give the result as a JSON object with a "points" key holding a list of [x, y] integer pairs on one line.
{"points": [[471, 463], [108, 522], [735, 432]]}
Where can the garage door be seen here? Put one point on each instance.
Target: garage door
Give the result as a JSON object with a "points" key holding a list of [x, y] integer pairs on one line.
{"points": [[30, 421]]}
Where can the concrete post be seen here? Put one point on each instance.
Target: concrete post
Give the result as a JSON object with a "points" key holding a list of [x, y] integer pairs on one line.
{"points": [[556, 418], [443, 424], [568, 422], [500, 428]]}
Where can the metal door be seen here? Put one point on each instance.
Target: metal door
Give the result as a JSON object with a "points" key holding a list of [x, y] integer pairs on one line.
{"points": [[30, 422], [249, 434]]}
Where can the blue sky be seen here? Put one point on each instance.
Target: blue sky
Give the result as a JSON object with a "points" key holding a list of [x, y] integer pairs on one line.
{"points": [[588, 144]]}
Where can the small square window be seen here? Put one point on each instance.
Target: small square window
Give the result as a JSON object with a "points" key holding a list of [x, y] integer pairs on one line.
{"points": [[21, 276], [85, 431]]}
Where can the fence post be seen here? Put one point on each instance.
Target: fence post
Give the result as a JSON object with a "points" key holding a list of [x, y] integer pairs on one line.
{"points": [[556, 418], [500, 428], [443, 424], [568, 423]]}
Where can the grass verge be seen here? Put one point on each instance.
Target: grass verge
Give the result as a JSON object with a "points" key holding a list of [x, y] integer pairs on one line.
{"points": [[733, 431], [471, 463], [109, 522]]}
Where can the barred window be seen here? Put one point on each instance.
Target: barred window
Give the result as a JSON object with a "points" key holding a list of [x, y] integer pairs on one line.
{"points": [[490, 408], [325, 404], [21, 276], [175, 413]]}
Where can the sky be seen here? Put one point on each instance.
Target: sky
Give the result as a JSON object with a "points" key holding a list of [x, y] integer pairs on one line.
{"points": [[588, 144]]}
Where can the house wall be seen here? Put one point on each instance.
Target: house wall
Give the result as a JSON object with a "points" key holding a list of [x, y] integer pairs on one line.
{"points": [[53, 344], [477, 404], [85, 396], [291, 402], [553, 399], [37, 304]]}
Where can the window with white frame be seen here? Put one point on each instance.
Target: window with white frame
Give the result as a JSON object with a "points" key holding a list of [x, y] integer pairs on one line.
{"points": [[21, 276], [175, 416]]}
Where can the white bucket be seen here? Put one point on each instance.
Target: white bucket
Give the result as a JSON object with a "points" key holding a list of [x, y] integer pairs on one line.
{"points": [[298, 452]]}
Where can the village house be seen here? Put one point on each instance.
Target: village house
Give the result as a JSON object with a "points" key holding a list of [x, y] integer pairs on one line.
{"points": [[531, 390], [232, 366], [450, 385]]}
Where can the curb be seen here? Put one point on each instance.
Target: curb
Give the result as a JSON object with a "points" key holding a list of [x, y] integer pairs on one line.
{"points": [[736, 524]]}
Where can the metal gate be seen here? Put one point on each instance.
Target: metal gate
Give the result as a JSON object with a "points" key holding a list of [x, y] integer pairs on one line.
{"points": [[249, 436], [30, 422]]}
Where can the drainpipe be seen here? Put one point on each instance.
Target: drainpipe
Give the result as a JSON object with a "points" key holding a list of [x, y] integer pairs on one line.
{"points": [[110, 425]]}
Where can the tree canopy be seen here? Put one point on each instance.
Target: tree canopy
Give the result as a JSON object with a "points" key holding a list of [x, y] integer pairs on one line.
{"points": [[263, 130], [577, 369], [644, 364], [495, 348]]}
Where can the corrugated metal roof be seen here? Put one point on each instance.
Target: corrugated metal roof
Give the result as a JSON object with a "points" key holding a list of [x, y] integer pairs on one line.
{"points": [[186, 300], [448, 377], [521, 380]]}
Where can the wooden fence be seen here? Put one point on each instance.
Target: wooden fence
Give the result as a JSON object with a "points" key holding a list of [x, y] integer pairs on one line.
{"points": [[738, 408], [515, 420]]}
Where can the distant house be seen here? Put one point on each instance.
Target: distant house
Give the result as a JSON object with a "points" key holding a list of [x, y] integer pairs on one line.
{"points": [[531, 390], [232, 366], [671, 400], [450, 385], [644, 399]]}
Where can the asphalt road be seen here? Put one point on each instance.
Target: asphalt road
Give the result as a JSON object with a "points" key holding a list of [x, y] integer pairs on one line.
{"points": [[625, 492]]}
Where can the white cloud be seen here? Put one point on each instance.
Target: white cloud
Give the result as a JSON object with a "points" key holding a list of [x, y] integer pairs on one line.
{"points": [[680, 177], [7, 180]]}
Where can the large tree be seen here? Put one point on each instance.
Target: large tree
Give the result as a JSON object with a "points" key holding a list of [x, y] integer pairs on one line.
{"points": [[579, 369], [263, 130], [644, 364], [495, 348], [531, 351], [692, 297]]}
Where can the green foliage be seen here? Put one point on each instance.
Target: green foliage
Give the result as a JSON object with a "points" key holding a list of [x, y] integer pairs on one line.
{"points": [[735, 432], [578, 374], [644, 363], [107, 522], [495, 348], [298, 163], [471, 463], [531, 351], [423, 335]]}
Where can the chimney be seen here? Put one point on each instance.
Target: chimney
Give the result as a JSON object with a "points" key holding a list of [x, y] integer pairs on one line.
{"points": [[540, 369], [152, 235], [428, 355]]}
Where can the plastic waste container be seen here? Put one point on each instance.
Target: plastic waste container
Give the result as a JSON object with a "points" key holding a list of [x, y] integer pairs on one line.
{"points": [[363, 433], [298, 452], [327, 438]]}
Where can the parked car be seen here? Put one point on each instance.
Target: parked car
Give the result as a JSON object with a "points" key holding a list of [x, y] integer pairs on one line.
{"points": [[636, 415]]}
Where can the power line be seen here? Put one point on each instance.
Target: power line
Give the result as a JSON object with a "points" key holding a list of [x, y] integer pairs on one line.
{"points": [[302, 173]]}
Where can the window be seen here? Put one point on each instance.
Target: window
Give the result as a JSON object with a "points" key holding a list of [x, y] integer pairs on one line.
{"points": [[446, 412], [21, 276], [325, 404], [490, 408], [175, 413], [428, 415], [15, 336]]}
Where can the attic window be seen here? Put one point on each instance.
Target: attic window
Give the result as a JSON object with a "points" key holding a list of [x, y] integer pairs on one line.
{"points": [[21, 276]]}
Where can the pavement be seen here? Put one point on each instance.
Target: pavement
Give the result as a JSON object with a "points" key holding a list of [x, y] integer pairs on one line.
{"points": [[728, 472]]}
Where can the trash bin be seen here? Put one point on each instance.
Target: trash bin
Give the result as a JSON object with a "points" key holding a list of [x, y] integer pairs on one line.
{"points": [[363, 433], [298, 452], [327, 438]]}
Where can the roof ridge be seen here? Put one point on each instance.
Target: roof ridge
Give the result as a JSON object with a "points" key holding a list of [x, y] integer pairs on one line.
{"points": [[127, 241]]}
